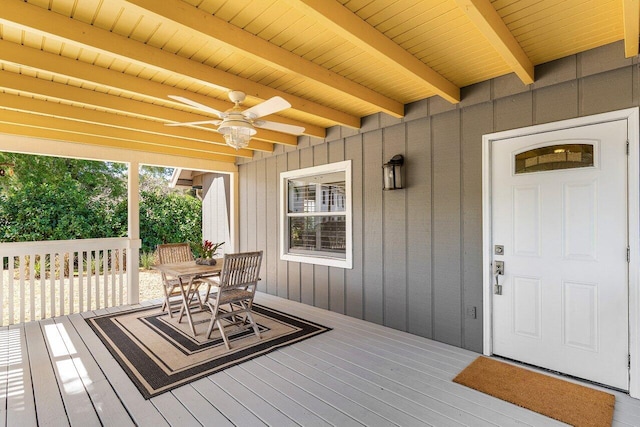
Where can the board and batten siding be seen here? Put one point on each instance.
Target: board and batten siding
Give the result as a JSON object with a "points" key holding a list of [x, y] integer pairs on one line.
{"points": [[417, 262], [215, 208]]}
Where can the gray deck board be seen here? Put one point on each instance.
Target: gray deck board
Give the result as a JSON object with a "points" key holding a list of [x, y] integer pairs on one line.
{"points": [[393, 408], [301, 396], [253, 402], [233, 410], [276, 398], [203, 410], [331, 397], [70, 376], [49, 406], [20, 403], [174, 411], [58, 372]]}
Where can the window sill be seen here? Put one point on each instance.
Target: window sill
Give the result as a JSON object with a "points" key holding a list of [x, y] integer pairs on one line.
{"points": [[318, 260]]}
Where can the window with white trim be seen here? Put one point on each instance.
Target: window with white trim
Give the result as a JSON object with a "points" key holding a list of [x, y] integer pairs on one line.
{"points": [[316, 215]]}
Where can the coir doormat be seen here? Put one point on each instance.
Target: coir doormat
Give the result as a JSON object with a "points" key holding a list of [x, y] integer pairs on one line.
{"points": [[160, 354], [558, 399]]}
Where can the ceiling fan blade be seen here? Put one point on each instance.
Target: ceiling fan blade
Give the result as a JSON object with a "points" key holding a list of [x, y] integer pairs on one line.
{"points": [[201, 122], [270, 106], [197, 105], [279, 127]]}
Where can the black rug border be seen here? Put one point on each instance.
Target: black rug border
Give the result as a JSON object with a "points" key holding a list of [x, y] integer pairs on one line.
{"points": [[159, 379]]}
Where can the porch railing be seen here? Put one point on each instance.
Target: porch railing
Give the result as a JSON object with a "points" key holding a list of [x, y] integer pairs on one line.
{"points": [[54, 278]]}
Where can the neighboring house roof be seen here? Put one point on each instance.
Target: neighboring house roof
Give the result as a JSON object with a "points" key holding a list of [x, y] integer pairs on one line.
{"points": [[183, 178]]}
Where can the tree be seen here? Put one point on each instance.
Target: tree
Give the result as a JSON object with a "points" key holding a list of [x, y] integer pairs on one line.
{"points": [[51, 198], [168, 218]]}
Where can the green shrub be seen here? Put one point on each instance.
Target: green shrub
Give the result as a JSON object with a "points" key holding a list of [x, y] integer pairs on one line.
{"points": [[147, 259]]}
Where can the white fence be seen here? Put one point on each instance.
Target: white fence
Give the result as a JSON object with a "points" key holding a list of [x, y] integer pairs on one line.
{"points": [[53, 278]]}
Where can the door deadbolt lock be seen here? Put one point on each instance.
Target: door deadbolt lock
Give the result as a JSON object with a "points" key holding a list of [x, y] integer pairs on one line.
{"points": [[498, 250]]}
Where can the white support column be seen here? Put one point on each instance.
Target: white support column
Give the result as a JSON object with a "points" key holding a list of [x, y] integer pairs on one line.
{"points": [[234, 227], [133, 251]]}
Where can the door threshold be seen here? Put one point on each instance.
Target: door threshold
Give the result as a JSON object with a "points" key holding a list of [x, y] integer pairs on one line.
{"points": [[562, 375]]}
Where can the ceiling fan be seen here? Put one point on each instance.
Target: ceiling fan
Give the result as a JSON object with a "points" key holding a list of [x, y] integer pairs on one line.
{"points": [[237, 125]]}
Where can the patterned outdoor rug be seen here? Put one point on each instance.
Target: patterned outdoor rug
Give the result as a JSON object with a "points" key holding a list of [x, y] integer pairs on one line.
{"points": [[160, 354]]}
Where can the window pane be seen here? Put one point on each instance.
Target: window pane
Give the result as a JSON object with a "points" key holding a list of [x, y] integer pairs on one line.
{"points": [[318, 193], [302, 197], [554, 157], [318, 234]]}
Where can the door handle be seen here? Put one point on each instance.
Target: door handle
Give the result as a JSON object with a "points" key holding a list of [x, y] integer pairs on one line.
{"points": [[498, 270]]}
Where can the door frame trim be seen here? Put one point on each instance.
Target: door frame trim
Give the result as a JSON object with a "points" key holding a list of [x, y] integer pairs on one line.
{"points": [[632, 116]]}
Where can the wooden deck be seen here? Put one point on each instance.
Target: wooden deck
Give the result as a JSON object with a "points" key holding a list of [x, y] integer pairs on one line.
{"points": [[57, 372]]}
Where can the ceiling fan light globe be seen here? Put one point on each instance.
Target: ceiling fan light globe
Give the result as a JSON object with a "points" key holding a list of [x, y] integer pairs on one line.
{"points": [[237, 140], [237, 126], [236, 131]]}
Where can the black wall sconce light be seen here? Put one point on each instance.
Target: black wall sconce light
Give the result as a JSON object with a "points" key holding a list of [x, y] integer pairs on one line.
{"points": [[392, 173]]}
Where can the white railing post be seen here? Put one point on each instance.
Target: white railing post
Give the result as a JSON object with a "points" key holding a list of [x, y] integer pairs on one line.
{"points": [[133, 261], [133, 249], [234, 223]]}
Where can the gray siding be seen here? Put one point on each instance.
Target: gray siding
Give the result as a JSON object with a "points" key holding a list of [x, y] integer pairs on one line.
{"points": [[417, 252]]}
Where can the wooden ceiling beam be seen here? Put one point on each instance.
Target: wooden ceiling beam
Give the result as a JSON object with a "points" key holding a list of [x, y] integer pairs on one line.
{"points": [[631, 22], [134, 86], [491, 25], [349, 26], [113, 121], [27, 129], [32, 119], [123, 106], [265, 52], [50, 24]]}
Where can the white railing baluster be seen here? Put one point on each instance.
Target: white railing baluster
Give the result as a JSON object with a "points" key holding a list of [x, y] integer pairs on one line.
{"points": [[43, 278], [81, 284], [47, 284], [105, 277], [121, 259], [72, 291], [61, 256], [12, 266], [7, 272], [89, 276], [23, 272], [52, 284], [112, 270], [32, 287], [97, 278]]}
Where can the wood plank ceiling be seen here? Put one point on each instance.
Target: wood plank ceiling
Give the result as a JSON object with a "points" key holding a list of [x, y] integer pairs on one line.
{"points": [[100, 71]]}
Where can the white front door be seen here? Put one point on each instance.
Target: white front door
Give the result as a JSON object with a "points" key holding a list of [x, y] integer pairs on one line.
{"points": [[559, 224]]}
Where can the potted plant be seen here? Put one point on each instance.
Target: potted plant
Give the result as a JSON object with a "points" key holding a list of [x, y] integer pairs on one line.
{"points": [[205, 252]]}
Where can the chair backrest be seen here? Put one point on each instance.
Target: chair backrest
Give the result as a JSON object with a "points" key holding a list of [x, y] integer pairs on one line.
{"points": [[174, 252], [240, 270]]}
